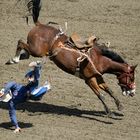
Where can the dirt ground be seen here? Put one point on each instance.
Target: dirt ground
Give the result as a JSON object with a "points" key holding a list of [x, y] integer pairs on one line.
{"points": [[71, 111]]}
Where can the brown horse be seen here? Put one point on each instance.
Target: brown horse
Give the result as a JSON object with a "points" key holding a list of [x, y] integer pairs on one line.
{"points": [[44, 40]]}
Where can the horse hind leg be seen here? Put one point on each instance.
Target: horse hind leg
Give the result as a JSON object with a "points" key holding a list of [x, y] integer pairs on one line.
{"points": [[24, 55], [92, 83], [21, 53], [16, 58], [104, 87]]}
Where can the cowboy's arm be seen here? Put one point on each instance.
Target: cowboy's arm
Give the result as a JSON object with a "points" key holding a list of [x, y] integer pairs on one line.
{"points": [[37, 71]]}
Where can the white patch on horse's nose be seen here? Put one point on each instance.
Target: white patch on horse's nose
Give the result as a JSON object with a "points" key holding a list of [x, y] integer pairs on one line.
{"points": [[124, 93], [133, 91], [129, 92]]}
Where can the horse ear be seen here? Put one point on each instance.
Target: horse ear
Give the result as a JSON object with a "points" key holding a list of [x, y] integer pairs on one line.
{"points": [[134, 67]]}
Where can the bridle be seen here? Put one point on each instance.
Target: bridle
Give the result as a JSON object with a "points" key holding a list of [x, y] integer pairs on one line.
{"points": [[127, 76]]}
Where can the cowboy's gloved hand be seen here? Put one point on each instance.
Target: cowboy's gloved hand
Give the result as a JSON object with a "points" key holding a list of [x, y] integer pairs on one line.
{"points": [[17, 130], [35, 64], [38, 62]]}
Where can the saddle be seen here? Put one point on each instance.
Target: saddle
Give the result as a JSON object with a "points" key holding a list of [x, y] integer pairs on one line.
{"points": [[81, 44]]}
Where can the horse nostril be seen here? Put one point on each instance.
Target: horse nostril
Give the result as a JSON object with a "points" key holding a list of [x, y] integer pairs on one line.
{"points": [[133, 85]]}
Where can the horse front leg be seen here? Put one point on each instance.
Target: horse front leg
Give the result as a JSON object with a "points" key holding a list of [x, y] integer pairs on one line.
{"points": [[117, 101], [21, 53], [104, 87], [92, 83]]}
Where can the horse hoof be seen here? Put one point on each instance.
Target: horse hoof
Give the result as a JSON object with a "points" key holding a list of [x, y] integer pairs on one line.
{"points": [[120, 107], [9, 62]]}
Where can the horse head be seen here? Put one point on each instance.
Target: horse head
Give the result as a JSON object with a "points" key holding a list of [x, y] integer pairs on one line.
{"points": [[127, 81]]}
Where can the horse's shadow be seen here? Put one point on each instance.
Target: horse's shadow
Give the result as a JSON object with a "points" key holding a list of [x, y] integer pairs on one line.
{"points": [[37, 108]]}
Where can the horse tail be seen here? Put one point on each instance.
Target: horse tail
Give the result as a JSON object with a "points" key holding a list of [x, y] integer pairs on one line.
{"points": [[34, 7]]}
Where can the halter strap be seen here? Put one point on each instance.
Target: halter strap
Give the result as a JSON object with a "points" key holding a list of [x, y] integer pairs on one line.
{"points": [[57, 36], [51, 54], [128, 83]]}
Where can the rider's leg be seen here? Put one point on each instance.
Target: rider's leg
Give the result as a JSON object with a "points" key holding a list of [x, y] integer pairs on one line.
{"points": [[38, 93]]}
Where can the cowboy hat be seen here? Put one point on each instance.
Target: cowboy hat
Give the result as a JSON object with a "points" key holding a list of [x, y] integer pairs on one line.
{"points": [[5, 97]]}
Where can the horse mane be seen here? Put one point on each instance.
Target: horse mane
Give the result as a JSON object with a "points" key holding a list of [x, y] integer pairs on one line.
{"points": [[111, 54]]}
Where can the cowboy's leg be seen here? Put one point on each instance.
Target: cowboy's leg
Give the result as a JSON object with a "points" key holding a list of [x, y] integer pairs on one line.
{"points": [[104, 86], [12, 115], [38, 93]]}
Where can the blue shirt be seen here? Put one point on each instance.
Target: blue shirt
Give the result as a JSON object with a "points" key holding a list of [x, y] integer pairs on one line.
{"points": [[19, 93], [36, 73]]}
